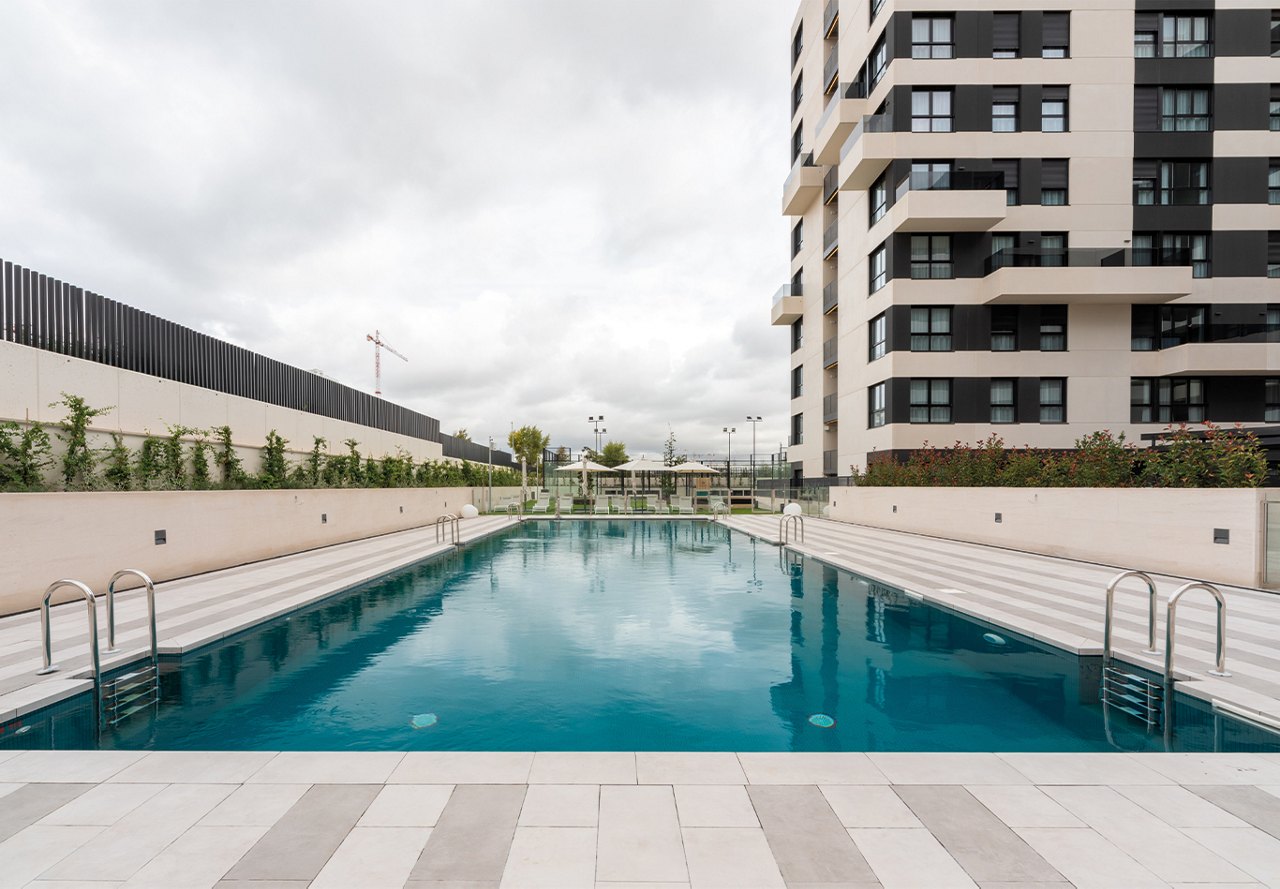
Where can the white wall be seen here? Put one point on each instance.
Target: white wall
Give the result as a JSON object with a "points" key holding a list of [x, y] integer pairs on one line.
{"points": [[1169, 530], [34, 379], [90, 536]]}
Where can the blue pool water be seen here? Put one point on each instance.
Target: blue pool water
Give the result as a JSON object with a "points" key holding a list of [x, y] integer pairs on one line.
{"points": [[621, 635]]}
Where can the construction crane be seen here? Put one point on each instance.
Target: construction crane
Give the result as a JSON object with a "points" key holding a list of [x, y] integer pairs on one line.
{"points": [[378, 346]]}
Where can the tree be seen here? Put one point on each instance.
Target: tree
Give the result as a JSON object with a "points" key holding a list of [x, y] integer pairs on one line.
{"points": [[614, 454], [462, 435], [528, 444]]}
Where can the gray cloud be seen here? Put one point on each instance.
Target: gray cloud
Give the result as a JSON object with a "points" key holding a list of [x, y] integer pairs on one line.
{"points": [[554, 208]]}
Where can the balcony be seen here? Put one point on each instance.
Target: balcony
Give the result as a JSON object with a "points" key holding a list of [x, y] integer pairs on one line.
{"points": [[841, 115], [831, 240], [831, 20], [829, 353], [953, 202], [802, 186], [788, 304], [830, 298], [829, 463], [871, 145], [829, 412], [1209, 359], [1098, 275], [831, 71]]}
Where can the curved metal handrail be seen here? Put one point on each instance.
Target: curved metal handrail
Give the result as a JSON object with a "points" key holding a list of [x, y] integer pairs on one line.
{"points": [[1220, 667], [455, 531], [1151, 612], [784, 528], [46, 637], [151, 609]]}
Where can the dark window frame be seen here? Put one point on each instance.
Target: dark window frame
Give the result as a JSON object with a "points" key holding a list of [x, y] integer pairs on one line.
{"points": [[999, 408], [936, 121], [935, 409], [1053, 326], [878, 257], [877, 337], [877, 400], [1048, 407], [933, 47], [930, 265], [936, 333]]}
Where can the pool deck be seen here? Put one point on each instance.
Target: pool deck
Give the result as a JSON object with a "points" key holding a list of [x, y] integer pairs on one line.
{"points": [[264, 820]]}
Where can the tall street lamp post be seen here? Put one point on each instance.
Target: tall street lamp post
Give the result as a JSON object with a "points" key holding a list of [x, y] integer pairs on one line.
{"points": [[753, 421], [490, 473], [728, 464], [595, 422]]}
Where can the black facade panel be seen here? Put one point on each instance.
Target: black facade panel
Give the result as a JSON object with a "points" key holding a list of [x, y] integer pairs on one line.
{"points": [[969, 251], [1027, 399], [1188, 218], [1234, 399], [898, 34], [897, 329], [1032, 34], [971, 400], [972, 35], [1239, 254], [898, 402], [1242, 32], [1174, 5], [1173, 72], [971, 328], [1241, 106], [972, 108], [1029, 105], [1172, 145], [1240, 180]]}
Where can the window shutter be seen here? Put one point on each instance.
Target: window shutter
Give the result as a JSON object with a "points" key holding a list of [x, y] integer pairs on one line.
{"points": [[1145, 168], [1009, 168], [1053, 174], [1057, 28], [1004, 94], [1004, 31], [1146, 21], [1146, 109]]}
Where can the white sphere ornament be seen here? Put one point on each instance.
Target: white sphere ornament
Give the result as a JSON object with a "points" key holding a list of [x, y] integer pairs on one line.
{"points": [[791, 509], [469, 512]]}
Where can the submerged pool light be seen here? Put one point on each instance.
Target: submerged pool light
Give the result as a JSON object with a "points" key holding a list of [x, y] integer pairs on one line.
{"points": [[993, 639], [423, 720], [821, 720]]}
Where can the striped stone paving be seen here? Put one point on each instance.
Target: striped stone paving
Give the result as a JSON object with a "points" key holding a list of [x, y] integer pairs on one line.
{"points": [[783, 821]]}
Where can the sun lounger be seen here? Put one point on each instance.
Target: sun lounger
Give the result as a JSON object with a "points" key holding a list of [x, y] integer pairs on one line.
{"points": [[684, 505], [601, 506], [542, 505], [565, 504]]}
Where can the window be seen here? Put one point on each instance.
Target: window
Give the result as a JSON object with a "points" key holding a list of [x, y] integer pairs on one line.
{"points": [[879, 202], [1004, 328], [1170, 182], [1275, 33], [931, 256], [1166, 400], [1185, 37], [1164, 327], [1053, 328], [797, 334], [797, 93], [1004, 110], [930, 111], [879, 270], [797, 144], [1002, 247], [1144, 44], [878, 63], [797, 44], [1273, 254], [875, 8], [930, 175], [877, 331], [1009, 169], [1273, 182], [1056, 35], [1271, 400], [931, 37], [875, 405], [1185, 110], [1053, 183], [930, 401], [1053, 250], [1053, 110], [1053, 400], [797, 429], [797, 238], [1275, 108], [1005, 32], [1173, 249], [797, 381], [1003, 408], [931, 329]]}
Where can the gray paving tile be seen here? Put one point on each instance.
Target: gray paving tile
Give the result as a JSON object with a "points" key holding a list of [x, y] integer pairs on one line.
{"points": [[31, 802], [472, 837], [301, 842], [984, 845], [262, 884], [1250, 804], [451, 884], [807, 839]]}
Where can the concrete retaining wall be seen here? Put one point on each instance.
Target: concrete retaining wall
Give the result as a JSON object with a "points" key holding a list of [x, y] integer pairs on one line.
{"points": [[1168, 530], [89, 536]]}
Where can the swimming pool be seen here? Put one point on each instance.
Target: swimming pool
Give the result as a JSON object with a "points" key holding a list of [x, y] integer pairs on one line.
{"points": [[625, 635]]}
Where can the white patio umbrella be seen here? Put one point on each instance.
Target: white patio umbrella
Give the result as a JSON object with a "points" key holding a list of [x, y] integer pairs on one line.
{"points": [[695, 468], [635, 466], [584, 466]]}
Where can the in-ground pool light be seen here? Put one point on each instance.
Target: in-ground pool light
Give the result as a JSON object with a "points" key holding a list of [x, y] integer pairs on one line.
{"points": [[821, 720], [423, 720], [993, 639]]}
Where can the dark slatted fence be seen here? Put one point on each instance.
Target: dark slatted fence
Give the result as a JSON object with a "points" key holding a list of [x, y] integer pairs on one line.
{"points": [[45, 313]]}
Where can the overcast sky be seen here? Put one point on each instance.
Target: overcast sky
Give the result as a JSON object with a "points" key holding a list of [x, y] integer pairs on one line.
{"points": [[554, 208]]}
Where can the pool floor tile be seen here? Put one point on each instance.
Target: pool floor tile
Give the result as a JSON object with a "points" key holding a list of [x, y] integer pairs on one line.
{"points": [[981, 843], [299, 845], [808, 841], [639, 836], [472, 837]]}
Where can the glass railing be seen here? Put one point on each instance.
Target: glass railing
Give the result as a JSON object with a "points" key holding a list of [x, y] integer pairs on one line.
{"points": [[855, 90], [831, 238], [829, 463], [831, 68], [830, 297], [870, 123], [828, 408], [829, 352], [830, 16], [804, 160], [792, 289], [959, 180], [1084, 257], [830, 183]]}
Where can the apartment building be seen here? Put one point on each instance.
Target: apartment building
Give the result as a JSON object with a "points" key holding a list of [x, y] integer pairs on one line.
{"points": [[1038, 219]]}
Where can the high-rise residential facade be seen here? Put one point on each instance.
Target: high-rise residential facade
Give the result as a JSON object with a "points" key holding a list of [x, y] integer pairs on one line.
{"points": [[1038, 219]]}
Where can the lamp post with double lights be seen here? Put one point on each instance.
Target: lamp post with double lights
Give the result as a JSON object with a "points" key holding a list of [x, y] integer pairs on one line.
{"points": [[595, 422]]}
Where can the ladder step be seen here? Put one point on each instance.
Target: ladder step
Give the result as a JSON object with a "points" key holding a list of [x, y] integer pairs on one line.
{"points": [[1144, 704], [146, 674], [122, 715]]}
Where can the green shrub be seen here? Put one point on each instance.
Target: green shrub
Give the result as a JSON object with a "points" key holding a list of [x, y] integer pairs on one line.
{"points": [[77, 458]]}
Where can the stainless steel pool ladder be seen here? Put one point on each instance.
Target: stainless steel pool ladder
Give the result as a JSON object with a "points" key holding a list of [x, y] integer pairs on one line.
{"points": [[138, 689], [46, 635], [454, 532], [1220, 661], [515, 510], [785, 526], [1129, 692], [718, 508]]}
